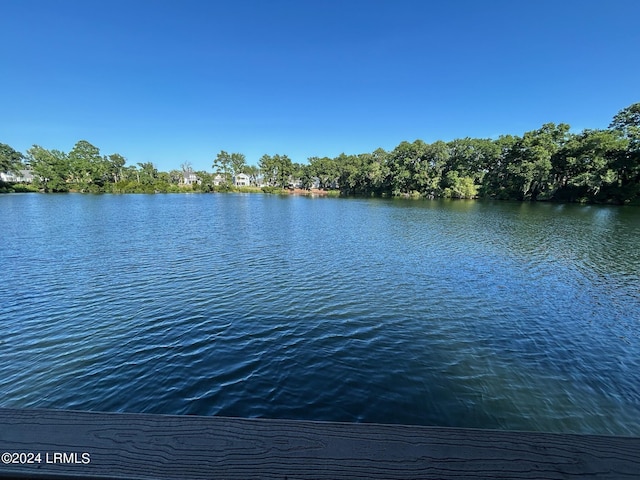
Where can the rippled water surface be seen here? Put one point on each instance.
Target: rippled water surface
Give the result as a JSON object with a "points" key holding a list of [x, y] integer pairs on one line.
{"points": [[488, 315]]}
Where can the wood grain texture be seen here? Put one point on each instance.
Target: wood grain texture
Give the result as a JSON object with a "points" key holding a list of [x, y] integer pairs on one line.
{"points": [[137, 446]]}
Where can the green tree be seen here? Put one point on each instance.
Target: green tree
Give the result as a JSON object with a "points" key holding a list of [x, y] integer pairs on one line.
{"points": [[435, 158], [306, 176], [276, 170], [130, 173], [284, 170], [402, 161], [50, 168], [496, 181], [583, 166], [529, 160], [269, 170], [471, 157], [176, 176], [455, 186], [10, 159], [223, 165], [351, 176], [627, 160], [253, 172], [87, 166], [325, 169], [627, 122], [297, 170], [238, 163], [114, 165], [417, 167], [206, 182], [376, 172], [147, 174]]}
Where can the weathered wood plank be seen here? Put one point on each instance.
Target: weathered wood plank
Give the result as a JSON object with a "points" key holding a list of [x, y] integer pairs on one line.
{"points": [[136, 446]]}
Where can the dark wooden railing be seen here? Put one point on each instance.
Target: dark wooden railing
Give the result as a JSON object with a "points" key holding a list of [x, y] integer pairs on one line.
{"points": [[70, 444]]}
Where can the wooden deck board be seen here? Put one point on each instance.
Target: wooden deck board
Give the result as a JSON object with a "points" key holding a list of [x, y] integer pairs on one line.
{"points": [[138, 446]]}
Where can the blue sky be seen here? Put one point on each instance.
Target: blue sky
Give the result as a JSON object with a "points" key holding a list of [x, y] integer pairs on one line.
{"points": [[176, 81]]}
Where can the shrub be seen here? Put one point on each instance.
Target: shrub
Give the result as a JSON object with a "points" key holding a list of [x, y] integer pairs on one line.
{"points": [[276, 190]]}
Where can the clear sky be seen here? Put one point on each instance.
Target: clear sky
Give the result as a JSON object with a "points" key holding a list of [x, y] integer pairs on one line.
{"points": [[176, 81]]}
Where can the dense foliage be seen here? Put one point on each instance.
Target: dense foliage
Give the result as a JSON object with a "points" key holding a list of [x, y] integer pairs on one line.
{"points": [[550, 163]]}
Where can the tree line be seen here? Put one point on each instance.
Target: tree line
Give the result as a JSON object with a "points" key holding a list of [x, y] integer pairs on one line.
{"points": [[550, 163]]}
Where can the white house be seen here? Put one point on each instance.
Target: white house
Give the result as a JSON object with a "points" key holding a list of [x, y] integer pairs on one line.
{"points": [[241, 180], [22, 176], [190, 178], [218, 179]]}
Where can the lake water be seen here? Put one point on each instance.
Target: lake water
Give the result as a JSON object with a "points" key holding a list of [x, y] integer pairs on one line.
{"points": [[458, 313]]}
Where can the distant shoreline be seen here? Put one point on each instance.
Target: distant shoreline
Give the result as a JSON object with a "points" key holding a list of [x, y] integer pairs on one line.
{"points": [[315, 192]]}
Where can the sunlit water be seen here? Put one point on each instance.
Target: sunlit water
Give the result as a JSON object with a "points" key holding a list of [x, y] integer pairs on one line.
{"points": [[470, 314]]}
